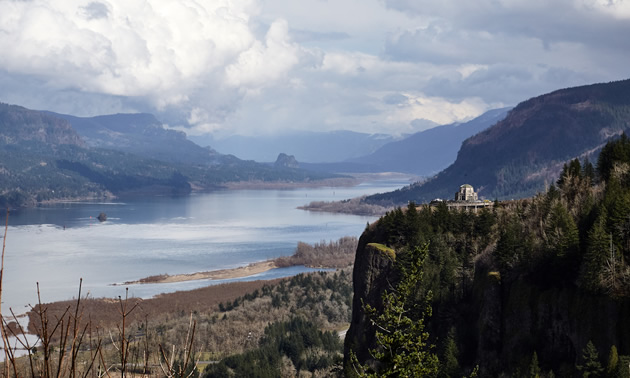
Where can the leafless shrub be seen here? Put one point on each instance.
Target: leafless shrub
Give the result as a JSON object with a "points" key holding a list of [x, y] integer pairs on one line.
{"points": [[339, 254], [356, 206]]}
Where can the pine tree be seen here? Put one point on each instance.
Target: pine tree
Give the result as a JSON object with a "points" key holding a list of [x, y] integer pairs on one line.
{"points": [[449, 366], [403, 349], [588, 171], [590, 367], [561, 231], [598, 247], [534, 368]]}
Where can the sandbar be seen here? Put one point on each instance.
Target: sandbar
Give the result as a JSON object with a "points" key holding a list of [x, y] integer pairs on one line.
{"points": [[243, 271]]}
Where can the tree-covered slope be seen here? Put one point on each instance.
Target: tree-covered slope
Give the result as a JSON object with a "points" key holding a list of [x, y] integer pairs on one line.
{"points": [[527, 285], [43, 158], [18, 124], [526, 150], [142, 135]]}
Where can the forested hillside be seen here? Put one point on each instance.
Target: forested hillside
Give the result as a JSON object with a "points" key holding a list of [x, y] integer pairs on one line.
{"points": [[540, 283], [142, 135], [43, 158], [523, 153]]}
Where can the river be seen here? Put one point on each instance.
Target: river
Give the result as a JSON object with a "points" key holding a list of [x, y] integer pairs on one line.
{"points": [[57, 245]]}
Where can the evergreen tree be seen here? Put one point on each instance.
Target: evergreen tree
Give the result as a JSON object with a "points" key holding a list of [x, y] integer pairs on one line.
{"points": [[588, 171], [511, 245], [617, 203], [561, 231], [449, 366], [403, 349], [612, 153], [412, 224], [534, 368], [590, 367], [598, 248]]}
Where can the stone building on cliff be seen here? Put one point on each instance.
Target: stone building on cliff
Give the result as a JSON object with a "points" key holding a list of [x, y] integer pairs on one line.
{"points": [[466, 193]]}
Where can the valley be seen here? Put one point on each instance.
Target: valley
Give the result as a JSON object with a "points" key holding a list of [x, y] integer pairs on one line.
{"points": [[550, 249]]}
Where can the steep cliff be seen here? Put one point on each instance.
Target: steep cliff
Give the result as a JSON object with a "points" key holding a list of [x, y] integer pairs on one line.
{"points": [[372, 270]]}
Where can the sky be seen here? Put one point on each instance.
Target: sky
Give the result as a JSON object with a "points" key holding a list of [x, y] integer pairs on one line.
{"points": [[255, 67]]}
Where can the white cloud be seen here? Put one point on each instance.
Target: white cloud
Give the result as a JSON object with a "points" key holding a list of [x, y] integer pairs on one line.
{"points": [[255, 66], [438, 110], [158, 49], [263, 64]]}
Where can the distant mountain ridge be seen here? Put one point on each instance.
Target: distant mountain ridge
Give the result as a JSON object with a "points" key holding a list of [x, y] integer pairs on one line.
{"points": [[44, 157], [428, 152], [524, 152], [423, 153], [35, 126], [141, 134], [306, 146]]}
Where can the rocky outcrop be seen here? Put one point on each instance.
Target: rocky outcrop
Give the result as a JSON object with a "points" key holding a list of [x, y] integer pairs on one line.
{"points": [[373, 272], [286, 161]]}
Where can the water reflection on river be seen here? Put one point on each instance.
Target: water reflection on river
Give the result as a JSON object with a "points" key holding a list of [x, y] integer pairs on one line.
{"points": [[58, 244]]}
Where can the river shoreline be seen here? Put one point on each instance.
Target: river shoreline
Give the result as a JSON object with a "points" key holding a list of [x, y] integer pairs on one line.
{"points": [[221, 274]]}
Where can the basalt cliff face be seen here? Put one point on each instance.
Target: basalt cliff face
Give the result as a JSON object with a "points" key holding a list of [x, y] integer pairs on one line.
{"points": [[373, 270], [500, 317]]}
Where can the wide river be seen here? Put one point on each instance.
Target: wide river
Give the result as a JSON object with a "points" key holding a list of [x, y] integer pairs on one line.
{"points": [[58, 244]]}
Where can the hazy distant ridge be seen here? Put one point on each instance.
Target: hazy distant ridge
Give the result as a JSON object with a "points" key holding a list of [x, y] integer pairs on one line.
{"points": [[522, 153], [306, 146], [428, 152]]}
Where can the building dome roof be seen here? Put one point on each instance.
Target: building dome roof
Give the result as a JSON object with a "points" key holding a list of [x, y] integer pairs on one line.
{"points": [[466, 186]]}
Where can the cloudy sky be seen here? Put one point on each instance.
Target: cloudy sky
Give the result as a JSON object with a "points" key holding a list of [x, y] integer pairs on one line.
{"points": [[262, 66]]}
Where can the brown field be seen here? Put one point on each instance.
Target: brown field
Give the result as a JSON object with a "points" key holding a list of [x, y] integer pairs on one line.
{"points": [[105, 312], [203, 324]]}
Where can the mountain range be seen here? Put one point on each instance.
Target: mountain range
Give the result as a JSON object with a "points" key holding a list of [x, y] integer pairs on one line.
{"points": [[141, 134], [505, 153], [423, 153], [524, 153], [46, 157], [306, 146]]}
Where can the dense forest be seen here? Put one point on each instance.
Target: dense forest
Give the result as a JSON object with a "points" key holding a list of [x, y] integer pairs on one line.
{"points": [[541, 283]]}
